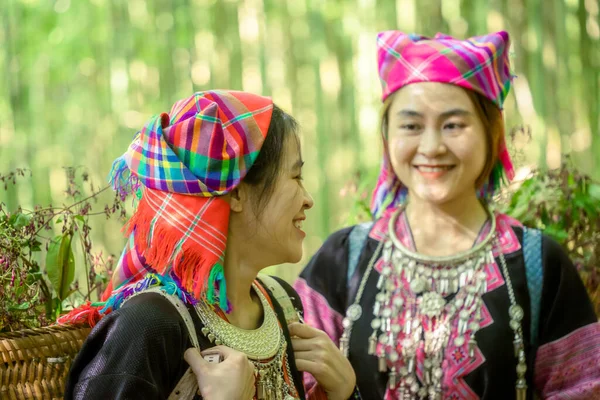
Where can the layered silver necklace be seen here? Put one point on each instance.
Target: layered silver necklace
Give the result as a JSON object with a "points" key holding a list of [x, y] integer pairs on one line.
{"points": [[414, 312], [265, 347]]}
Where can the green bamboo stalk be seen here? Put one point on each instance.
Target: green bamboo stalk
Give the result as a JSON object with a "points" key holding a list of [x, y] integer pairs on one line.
{"points": [[590, 94], [262, 53], [235, 54], [536, 70], [475, 13], [386, 14], [562, 112], [317, 31], [429, 17]]}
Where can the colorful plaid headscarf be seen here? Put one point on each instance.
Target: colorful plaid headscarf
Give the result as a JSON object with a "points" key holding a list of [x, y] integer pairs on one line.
{"points": [[480, 64], [179, 165]]}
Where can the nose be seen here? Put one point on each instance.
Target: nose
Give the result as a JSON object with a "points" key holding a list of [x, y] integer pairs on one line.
{"points": [[308, 200], [432, 143]]}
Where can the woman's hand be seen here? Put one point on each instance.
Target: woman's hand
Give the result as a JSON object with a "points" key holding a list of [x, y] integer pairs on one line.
{"points": [[232, 378], [316, 354]]}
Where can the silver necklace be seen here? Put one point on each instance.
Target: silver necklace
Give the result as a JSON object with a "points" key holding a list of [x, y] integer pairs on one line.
{"points": [[265, 347], [411, 312]]}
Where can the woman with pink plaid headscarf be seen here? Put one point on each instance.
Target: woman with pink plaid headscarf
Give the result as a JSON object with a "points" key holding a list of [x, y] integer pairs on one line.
{"points": [[441, 297]]}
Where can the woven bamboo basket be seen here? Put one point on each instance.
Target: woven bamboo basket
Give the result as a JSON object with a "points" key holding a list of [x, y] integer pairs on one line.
{"points": [[34, 363]]}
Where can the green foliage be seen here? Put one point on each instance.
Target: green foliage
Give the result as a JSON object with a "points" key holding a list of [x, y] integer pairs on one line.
{"points": [[34, 293], [565, 204]]}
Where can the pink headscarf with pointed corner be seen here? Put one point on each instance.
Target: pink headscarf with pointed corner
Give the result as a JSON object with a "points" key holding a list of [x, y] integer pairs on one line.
{"points": [[480, 64]]}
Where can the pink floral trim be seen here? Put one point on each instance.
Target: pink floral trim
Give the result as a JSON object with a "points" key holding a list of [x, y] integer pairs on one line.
{"points": [[569, 368]]}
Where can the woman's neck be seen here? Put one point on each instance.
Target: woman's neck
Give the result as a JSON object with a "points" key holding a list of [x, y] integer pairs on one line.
{"points": [[246, 307], [445, 229]]}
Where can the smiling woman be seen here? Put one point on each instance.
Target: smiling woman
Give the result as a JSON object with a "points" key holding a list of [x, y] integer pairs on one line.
{"points": [[441, 297], [220, 194], [436, 142]]}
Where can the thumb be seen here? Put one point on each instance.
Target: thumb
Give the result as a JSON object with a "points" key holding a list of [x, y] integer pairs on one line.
{"points": [[193, 357]]}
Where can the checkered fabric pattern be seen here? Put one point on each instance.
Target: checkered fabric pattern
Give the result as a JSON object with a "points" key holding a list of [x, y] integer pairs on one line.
{"points": [[480, 63], [180, 165], [203, 147]]}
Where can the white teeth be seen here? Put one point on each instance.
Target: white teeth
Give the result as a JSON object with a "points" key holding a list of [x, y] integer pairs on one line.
{"points": [[298, 224], [434, 169]]}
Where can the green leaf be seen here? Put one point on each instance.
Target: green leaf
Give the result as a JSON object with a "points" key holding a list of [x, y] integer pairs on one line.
{"points": [[79, 218], [33, 277], [35, 245], [19, 307], [60, 264], [21, 221]]}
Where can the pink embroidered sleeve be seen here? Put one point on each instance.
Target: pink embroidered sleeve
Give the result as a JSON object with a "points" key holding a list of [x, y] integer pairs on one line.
{"points": [[318, 314], [569, 368]]}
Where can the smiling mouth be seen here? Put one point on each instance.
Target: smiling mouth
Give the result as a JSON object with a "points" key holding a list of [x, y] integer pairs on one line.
{"points": [[431, 168]]}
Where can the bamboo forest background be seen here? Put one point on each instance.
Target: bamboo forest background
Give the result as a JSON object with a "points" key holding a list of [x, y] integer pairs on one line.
{"points": [[79, 77]]}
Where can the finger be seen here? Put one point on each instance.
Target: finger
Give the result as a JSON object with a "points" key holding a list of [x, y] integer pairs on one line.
{"points": [[193, 357], [316, 356], [304, 344], [303, 331], [314, 368]]}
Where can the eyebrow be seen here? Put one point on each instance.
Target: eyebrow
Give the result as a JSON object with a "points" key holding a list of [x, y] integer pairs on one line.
{"points": [[445, 114]]}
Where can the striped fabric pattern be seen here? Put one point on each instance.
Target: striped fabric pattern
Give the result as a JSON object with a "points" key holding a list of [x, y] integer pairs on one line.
{"points": [[203, 147], [180, 164], [480, 63]]}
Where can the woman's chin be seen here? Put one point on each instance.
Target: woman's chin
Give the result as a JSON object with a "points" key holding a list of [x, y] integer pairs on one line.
{"points": [[437, 196], [294, 255]]}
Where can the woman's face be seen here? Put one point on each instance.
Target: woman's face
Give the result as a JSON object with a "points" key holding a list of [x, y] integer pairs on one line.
{"points": [[277, 231], [436, 141]]}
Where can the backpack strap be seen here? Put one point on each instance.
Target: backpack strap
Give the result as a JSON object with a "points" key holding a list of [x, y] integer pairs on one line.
{"points": [[532, 253], [281, 296], [356, 242]]}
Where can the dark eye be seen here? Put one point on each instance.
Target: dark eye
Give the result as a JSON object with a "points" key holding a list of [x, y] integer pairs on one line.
{"points": [[454, 126], [409, 127]]}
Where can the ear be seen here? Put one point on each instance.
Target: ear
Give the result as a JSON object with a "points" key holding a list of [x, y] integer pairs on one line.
{"points": [[238, 198]]}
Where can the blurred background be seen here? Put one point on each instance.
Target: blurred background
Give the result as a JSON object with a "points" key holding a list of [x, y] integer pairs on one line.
{"points": [[79, 77]]}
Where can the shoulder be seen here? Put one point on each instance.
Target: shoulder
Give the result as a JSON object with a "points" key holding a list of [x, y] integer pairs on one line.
{"points": [[143, 340], [559, 271], [337, 239], [146, 319], [332, 256], [150, 308], [555, 259]]}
